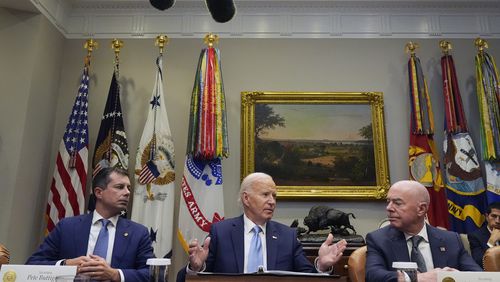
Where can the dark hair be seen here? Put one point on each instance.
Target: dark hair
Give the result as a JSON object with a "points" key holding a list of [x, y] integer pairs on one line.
{"points": [[102, 177], [494, 205]]}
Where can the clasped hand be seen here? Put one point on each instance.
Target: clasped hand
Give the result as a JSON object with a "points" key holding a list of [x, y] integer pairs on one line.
{"points": [[95, 267]]}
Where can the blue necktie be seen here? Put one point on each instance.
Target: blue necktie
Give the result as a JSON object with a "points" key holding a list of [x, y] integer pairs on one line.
{"points": [[255, 258], [101, 245]]}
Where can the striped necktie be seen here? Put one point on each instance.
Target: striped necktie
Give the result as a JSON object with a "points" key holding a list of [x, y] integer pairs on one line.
{"points": [[416, 255]]}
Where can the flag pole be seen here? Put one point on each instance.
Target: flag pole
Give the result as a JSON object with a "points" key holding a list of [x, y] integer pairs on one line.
{"points": [[90, 45], [481, 44], [211, 39]]}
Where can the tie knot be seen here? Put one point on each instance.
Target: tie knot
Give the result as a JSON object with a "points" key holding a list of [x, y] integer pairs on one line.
{"points": [[105, 222], [256, 229], [415, 240]]}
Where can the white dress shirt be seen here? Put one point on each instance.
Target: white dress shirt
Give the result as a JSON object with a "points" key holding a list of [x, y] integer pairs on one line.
{"points": [[424, 247]]}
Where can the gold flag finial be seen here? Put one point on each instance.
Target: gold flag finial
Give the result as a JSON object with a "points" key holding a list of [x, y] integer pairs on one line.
{"points": [[481, 44], [445, 46], [161, 41], [116, 44], [90, 45], [410, 47], [211, 39]]}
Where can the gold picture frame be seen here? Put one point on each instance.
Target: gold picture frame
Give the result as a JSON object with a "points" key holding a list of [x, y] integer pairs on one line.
{"points": [[317, 144]]}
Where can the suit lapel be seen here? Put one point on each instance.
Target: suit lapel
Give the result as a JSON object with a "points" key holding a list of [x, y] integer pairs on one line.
{"points": [[237, 237], [400, 248], [122, 235], [271, 245], [82, 232], [438, 247]]}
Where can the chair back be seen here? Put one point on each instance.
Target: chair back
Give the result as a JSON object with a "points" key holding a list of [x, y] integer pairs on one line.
{"points": [[491, 259], [356, 265], [4, 255]]}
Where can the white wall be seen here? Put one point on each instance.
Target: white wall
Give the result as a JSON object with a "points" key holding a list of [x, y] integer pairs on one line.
{"points": [[248, 65], [29, 78]]}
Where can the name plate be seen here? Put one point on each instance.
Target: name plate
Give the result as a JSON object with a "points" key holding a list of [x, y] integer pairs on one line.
{"points": [[20, 272], [467, 276]]}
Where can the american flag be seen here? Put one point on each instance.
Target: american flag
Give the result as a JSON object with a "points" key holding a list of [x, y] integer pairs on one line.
{"points": [[67, 190]]}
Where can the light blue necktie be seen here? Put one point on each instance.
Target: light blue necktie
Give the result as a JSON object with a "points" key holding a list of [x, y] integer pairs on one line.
{"points": [[255, 258], [101, 245]]}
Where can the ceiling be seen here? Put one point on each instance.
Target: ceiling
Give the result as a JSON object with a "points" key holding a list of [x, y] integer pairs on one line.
{"points": [[272, 18]]}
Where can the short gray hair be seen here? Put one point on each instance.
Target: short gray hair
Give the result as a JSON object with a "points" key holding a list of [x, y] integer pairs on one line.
{"points": [[249, 181]]}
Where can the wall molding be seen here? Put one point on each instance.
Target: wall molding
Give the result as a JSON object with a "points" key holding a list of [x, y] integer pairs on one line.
{"points": [[277, 19]]}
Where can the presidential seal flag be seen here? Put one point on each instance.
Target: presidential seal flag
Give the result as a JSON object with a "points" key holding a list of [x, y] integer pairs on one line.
{"points": [[111, 148], [67, 190], [154, 190], [202, 201], [488, 97], [462, 171], [423, 158]]}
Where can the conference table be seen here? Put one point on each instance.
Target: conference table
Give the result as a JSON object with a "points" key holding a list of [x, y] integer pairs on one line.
{"points": [[264, 277]]}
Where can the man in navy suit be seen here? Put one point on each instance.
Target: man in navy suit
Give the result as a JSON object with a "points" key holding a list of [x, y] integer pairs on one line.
{"points": [[441, 250], [227, 249], [488, 235], [74, 239]]}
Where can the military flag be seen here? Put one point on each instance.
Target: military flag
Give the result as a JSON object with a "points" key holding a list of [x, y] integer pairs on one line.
{"points": [[154, 190], [67, 190], [111, 148], [488, 97], [201, 185], [464, 183], [423, 159]]}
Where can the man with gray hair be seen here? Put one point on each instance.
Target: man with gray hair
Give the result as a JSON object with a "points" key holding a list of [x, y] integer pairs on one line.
{"points": [[409, 238], [253, 241]]}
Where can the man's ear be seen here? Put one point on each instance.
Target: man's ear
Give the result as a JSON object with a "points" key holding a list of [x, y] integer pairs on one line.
{"points": [[423, 207], [98, 192]]}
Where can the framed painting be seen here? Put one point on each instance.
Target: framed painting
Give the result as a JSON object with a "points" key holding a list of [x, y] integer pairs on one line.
{"points": [[316, 144]]}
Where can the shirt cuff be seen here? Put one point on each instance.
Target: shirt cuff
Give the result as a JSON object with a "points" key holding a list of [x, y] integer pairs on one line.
{"points": [[190, 271], [59, 262], [490, 245], [122, 277], [329, 271]]}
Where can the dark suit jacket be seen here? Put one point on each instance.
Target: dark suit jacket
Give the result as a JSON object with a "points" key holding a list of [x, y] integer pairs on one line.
{"points": [[226, 252], [478, 243], [132, 246], [387, 245]]}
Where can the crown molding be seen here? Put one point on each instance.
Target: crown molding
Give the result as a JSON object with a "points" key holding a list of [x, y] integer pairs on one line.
{"points": [[277, 19]]}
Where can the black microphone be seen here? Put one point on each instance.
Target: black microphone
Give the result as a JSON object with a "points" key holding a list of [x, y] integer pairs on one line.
{"points": [[162, 4], [221, 10]]}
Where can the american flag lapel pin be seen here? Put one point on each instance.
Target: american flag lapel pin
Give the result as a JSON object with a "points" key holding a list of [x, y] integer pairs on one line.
{"points": [[275, 237], [125, 234], [442, 249]]}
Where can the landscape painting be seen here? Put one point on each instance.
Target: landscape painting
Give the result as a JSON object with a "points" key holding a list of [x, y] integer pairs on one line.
{"points": [[316, 144]]}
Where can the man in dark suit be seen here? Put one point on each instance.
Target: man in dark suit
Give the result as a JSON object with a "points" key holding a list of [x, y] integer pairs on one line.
{"points": [[488, 235], [435, 250], [229, 247], [74, 241]]}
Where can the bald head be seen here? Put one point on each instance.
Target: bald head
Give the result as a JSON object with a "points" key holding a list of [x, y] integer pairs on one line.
{"points": [[418, 191], [407, 205]]}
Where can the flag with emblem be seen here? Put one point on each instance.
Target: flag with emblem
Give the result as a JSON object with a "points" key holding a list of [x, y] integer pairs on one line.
{"points": [[67, 190], [155, 173], [201, 201], [488, 97], [423, 158], [462, 171], [111, 148]]}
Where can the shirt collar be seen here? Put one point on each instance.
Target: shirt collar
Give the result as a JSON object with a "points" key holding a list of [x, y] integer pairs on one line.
{"points": [[96, 217], [422, 233], [248, 225]]}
